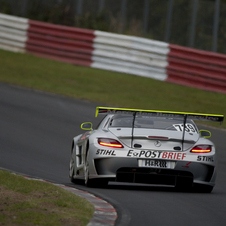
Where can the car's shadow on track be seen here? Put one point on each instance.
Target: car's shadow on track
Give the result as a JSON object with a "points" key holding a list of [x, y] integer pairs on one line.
{"points": [[140, 187], [157, 188], [129, 186]]}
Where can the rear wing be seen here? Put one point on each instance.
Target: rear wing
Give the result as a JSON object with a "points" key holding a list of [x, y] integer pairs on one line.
{"points": [[170, 114]]}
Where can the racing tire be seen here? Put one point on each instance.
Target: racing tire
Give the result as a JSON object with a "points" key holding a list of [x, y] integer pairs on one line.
{"points": [[75, 181], [71, 170], [88, 182], [94, 183]]}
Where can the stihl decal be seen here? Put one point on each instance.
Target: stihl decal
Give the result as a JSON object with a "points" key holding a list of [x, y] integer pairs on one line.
{"points": [[105, 152], [205, 158]]}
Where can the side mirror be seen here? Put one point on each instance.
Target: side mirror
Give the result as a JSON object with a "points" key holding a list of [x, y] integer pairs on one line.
{"points": [[87, 126], [205, 133]]}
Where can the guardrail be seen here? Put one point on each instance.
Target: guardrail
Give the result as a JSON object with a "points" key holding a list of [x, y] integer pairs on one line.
{"points": [[108, 51]]}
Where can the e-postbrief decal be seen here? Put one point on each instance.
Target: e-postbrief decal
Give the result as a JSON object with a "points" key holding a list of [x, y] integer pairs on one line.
{"points": [[157, 154], [143, 154]]}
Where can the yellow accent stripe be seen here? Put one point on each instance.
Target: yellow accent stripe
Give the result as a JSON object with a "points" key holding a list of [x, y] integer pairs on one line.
{"points": [[212, 117]]}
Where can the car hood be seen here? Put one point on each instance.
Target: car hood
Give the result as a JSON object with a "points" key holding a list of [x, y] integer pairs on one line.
{"points": [[155, 139]]}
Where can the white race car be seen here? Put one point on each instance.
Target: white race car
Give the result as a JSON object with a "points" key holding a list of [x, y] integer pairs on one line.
{"points": [[146, 147]]}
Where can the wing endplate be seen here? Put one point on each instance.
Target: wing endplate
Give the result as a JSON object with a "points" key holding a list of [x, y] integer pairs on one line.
{"points": [[156, 113]]}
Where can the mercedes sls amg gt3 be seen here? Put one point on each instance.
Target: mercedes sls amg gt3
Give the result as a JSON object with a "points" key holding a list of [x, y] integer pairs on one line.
{"points": [[145, 147]]}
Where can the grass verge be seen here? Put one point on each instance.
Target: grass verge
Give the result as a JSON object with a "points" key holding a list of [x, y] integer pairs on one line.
{"points": [[109, 88], [30, 202]]}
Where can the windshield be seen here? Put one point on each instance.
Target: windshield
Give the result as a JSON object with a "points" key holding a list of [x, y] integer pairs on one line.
{"points": [[152, 123]]}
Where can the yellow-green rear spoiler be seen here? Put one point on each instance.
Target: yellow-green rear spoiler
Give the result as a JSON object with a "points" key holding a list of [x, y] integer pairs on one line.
{"points": [[156, 113]]}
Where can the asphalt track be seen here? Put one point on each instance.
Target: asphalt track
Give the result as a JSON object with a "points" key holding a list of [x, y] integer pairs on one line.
{"points": [[36, 130]]}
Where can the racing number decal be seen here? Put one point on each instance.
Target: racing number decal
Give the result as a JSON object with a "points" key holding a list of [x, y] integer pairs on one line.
{"points": [[189, 128]]}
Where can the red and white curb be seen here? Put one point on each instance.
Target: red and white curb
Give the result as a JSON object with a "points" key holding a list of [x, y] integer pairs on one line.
{"points": [[104, 213]]}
